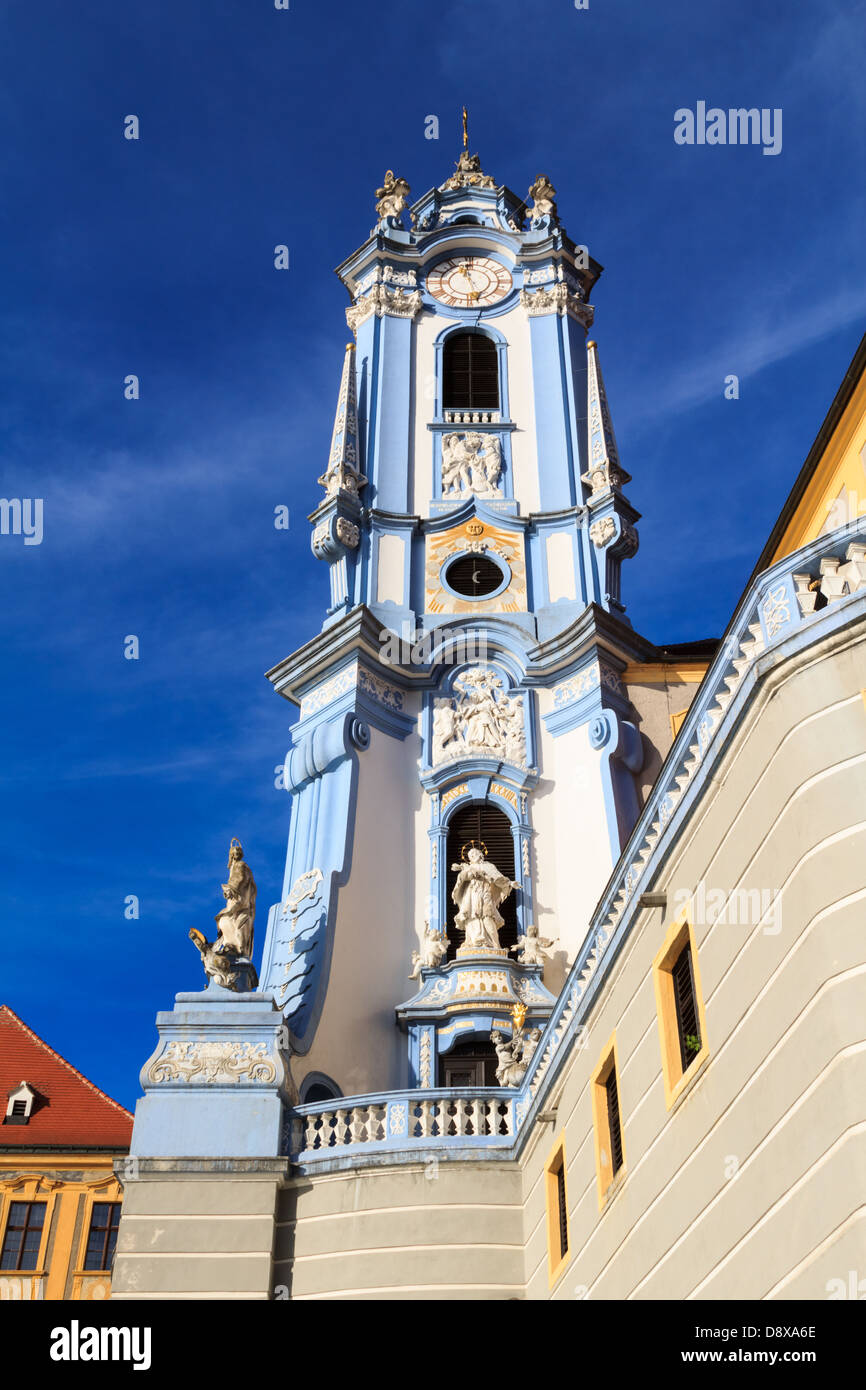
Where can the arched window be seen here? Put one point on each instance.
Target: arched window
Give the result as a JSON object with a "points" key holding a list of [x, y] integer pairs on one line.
{"points": [[470, 373], [317, 1087], [490, 828]]}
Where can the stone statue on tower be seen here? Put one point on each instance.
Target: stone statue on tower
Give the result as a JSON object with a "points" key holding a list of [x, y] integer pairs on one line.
{"points": [[478, 893], [228, 960]]}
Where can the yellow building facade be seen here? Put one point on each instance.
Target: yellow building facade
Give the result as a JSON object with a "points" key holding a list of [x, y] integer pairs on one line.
{"points": [[60, 1201]]}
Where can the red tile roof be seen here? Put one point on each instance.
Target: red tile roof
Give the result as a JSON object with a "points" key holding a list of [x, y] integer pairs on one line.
{"points": [[70, 1110]]}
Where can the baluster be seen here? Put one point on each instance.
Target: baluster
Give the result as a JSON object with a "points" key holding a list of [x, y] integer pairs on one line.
{"points": [[356, 1127], [310, 1131], [476, 1116]]}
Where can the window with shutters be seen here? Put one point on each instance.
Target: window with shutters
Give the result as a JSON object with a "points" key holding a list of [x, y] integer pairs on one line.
{"points": [[488, 828], [470, 372], [607, 1124], [556, 1189], [679, 1002]]}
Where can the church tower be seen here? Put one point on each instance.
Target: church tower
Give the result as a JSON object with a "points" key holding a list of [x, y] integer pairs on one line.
{"points": [[463, 769]]}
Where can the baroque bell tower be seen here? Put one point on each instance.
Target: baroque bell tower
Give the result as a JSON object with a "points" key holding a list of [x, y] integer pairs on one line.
{"points": [[463, 769]]}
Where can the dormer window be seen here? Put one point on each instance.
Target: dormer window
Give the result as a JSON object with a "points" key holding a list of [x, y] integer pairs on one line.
{"points": [[19, 1106]]}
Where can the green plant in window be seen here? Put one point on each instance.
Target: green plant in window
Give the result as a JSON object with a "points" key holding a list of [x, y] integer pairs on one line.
{"points": [[693, 1043]]}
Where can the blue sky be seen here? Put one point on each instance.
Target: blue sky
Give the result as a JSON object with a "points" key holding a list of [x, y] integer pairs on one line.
{"points": [[155, 257]]}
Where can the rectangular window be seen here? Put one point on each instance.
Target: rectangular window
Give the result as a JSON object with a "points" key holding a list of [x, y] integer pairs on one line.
{"points": [[679, 1002], [556, 1192], [613, 1122], [102, 1238], [688, 1028], [23, 1236], [607, 1122]]}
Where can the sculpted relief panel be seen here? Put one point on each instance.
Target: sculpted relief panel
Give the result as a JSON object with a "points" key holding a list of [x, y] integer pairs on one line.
{"points": [[479, 721], [471, 465]]}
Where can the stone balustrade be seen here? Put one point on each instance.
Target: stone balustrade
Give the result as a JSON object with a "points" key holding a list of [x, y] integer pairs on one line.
{"points": [[472, 417], [403, 1119]]}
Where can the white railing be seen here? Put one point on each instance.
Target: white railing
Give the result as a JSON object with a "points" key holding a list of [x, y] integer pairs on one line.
{"points": [[472, 417], [405, 1119]]}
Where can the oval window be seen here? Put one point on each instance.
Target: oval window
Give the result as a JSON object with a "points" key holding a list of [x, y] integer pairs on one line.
{"points": [[474, 576]]}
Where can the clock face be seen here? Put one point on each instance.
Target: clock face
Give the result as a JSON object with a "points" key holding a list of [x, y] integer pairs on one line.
{"points": [[469, 282]]}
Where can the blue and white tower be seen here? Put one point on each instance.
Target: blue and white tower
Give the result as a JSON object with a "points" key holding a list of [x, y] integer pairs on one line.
{"points": [[467, 690]]}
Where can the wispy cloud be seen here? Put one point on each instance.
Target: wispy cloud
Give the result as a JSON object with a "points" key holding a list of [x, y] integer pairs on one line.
{"points": [[763, 340]]}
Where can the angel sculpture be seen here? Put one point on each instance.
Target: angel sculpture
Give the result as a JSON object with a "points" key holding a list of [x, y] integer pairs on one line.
{"points": [[533, 948], [513, 1057], [434, 948]]}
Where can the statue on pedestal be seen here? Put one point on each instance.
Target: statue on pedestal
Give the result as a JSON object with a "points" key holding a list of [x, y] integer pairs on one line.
{"points": [[478, 892], [228, 960]]}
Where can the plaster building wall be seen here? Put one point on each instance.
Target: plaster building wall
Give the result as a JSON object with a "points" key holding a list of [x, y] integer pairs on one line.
{"points": [[659, 694], [751, 1184], [356, 1043], [420, 1231], [571, 845], [196, 1229]]}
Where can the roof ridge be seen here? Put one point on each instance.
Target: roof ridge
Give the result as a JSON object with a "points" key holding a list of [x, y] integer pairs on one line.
{"points": [[4, 1008]]}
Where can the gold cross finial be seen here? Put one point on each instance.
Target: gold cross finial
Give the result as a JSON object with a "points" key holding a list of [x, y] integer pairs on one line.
{"points": [[465, 129]]}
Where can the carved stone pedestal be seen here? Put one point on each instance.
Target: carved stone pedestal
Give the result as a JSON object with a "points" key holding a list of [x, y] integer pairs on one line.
{"points": [[218, 1081], [206, 1145]]}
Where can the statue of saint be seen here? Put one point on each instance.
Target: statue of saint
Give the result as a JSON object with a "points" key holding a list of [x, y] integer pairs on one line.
{"points": [[392, 197], [543, 194], [235, 921], [478, 892], [482, 722], [227, 961]]}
